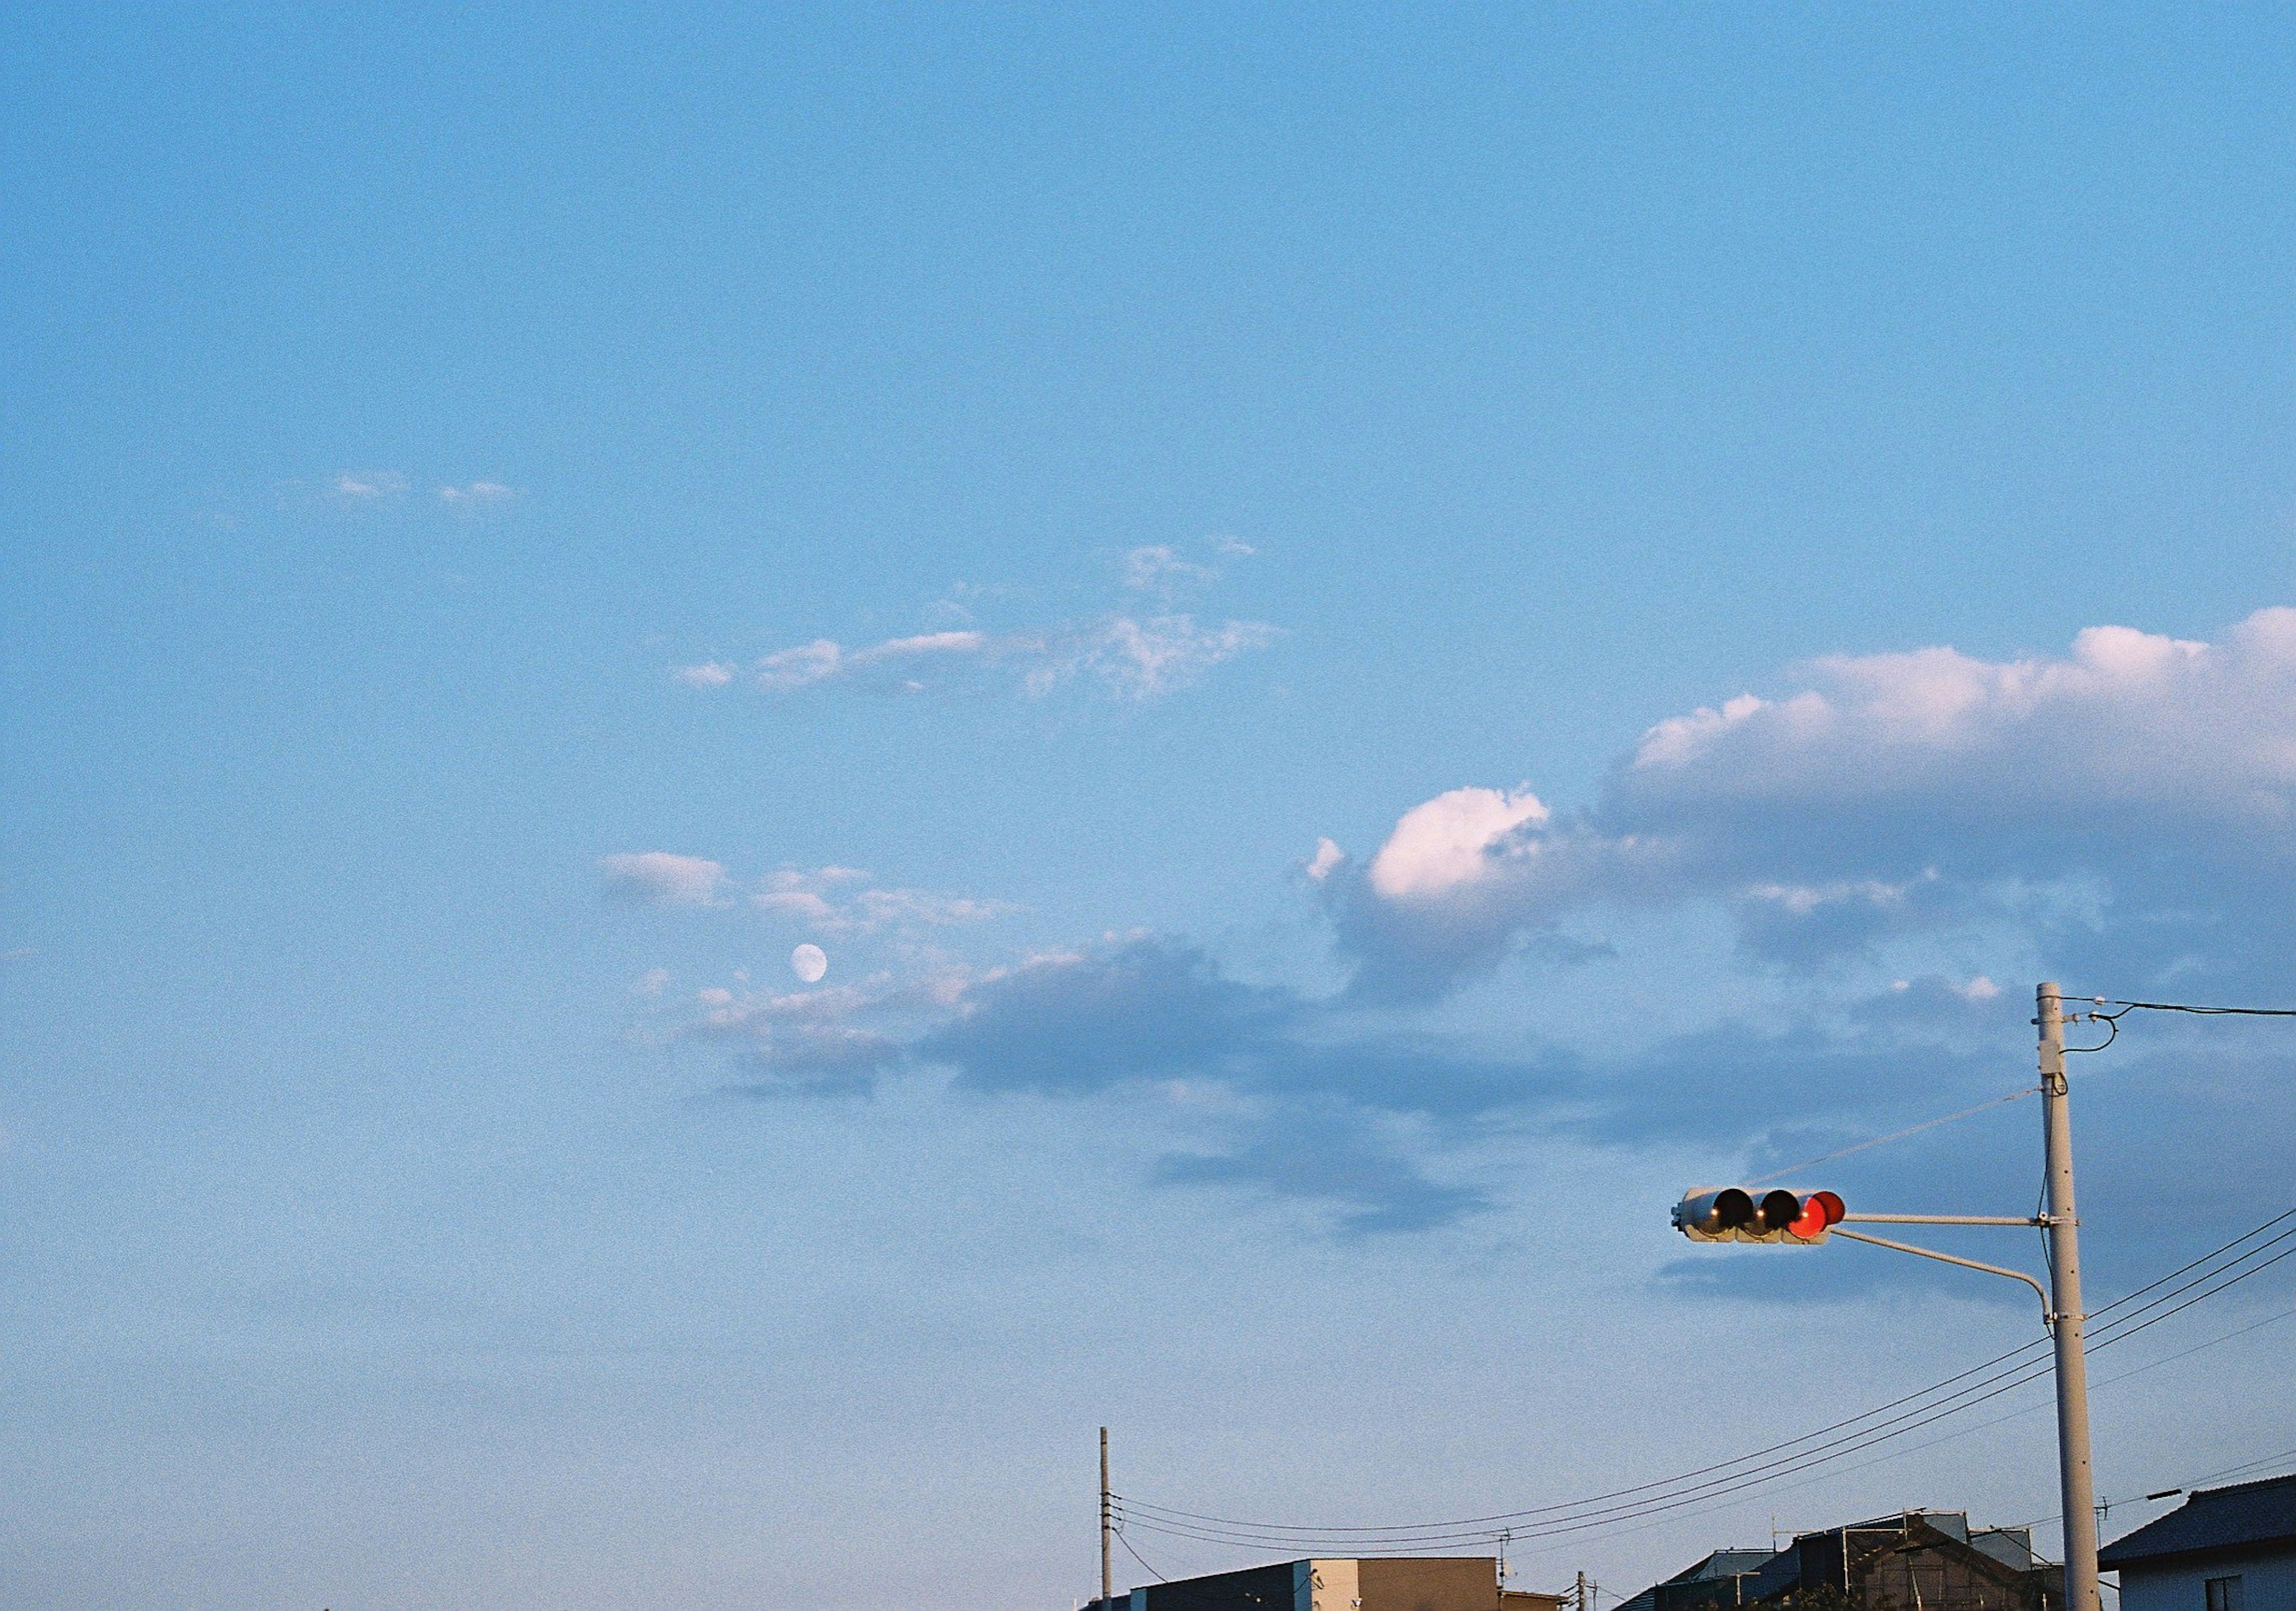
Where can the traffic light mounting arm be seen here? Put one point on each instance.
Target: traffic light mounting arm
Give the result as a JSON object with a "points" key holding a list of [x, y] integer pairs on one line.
{"points": [[2048, 1316], [1948, 1219], [1734, 1213]]}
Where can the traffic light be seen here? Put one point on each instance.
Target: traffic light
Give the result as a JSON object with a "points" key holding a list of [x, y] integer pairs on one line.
{"points": [[1737, 1213]]}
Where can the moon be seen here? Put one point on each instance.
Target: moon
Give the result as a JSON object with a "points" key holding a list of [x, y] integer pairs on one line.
{"points": [[809, 963]]}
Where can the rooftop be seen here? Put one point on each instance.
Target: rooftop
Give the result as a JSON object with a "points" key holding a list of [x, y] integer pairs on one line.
{"points": [[2242, 1515]]}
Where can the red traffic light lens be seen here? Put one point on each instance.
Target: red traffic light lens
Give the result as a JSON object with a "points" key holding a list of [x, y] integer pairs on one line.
{"points": [[1821, 1211]]}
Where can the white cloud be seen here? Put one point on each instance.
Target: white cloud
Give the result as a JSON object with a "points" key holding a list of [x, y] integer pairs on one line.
{"points": [[1328, 856], [1159, 567], [877, 907], [1134, 659], [805, 904], [365, 486], [1145, 658], [2128, 718], [663, 879], [1132, 656], [828, 1041], [1803, 900], [923, 644], [793, 878], [823, 660], [818, 898], [1450, 841], [813, 662], [477, 495], [2151, 776]]}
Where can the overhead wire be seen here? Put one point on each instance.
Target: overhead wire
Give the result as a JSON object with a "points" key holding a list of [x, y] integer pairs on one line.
{"points": [[2205, 1013], [1135, 1555], [2111, 1020], [1585, 1516], [2269, 1460], [1797, 1455], [1670, 1494], [1898, 1135], [2000, 1420]]}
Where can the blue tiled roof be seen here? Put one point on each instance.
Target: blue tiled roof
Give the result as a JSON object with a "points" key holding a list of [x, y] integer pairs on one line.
{"points": [[2213, 1518]]}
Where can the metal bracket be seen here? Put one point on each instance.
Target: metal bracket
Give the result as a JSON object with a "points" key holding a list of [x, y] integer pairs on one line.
{"points": [[2048, 1316], [1949, 1219]]}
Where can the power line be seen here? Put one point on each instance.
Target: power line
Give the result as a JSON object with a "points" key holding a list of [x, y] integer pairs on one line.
{"points": [[1613, 1518], [1588, 1517], [2000, 1420], [2269, 1460], [2205, 1013], [1898, 1135], [2171, 1358], [1670, 1494], [1663, 1482], [1135, 1555]]}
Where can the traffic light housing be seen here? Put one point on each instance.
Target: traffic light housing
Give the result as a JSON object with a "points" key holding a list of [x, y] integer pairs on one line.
{"points": [[1741, 1214]]}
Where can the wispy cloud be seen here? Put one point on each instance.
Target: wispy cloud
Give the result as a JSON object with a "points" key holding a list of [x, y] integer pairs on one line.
{"points": [[477, 495], [348, 490], [822, 660], [364, 487], [1132, 658], [845, 900], [826, 900], [1130, 654], [806, 1044], [659, 878], [1159, 568], [1143, 659], [831, 1041]]}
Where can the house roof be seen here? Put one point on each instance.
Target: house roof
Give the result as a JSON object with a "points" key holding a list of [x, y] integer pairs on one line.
{"points": [[2245, 1514], [1721, 1563]]}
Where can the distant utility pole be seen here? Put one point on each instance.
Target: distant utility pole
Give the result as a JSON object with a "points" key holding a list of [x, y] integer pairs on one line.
{"points": [[1107, 1563], [2065, 1321], [1582, 1593]]}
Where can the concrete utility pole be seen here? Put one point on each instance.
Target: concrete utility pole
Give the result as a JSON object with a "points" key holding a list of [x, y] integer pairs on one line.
{"points": [[1108, 1564], [2078, 1483]]}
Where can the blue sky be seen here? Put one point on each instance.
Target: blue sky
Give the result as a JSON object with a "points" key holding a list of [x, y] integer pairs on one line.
{"points": [[1369, 641]]}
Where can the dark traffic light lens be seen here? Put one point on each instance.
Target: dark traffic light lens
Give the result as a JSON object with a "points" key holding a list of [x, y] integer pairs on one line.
{"points": [[1780, 1210], [1732, 1209]]}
